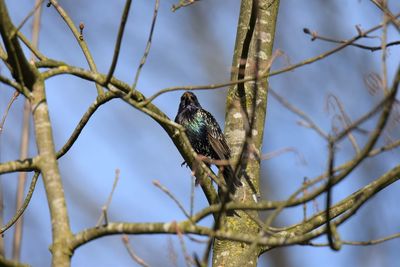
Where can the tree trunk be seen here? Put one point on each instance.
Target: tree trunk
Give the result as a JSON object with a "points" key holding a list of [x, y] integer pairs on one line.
{"points": [[245, 119]]}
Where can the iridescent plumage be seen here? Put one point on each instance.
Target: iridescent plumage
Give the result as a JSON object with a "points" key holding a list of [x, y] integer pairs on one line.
{"points": [[205, 135]]}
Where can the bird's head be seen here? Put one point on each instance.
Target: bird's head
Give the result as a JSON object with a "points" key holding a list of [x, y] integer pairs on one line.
{"points": [[188, 99]]}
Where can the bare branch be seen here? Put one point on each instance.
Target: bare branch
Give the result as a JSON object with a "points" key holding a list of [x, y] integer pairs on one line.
{"points": [[345, 120], [388, 99], [21, 180], [17, 240], [31, 47], [281, 151], [37, 6], [294, 235], [328, 53], [316, 36], [24, 205], [25, 165], [22, 70], [119, 40], [11, 263], [79, 39], [100, 100], [134, 256], [299, 112], [360, 243], [104, 209], [331, 232], [170, 195], [148, 45], [3, 119], [174, 130], [14, 85], [188, 259], [387, 12], [182, 3]]}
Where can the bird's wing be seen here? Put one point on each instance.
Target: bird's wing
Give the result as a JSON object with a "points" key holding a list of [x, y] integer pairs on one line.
{"points": [[217, 139]]}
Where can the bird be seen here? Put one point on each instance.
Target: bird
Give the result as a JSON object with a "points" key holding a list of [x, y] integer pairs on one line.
{"points": [[205, 135]]}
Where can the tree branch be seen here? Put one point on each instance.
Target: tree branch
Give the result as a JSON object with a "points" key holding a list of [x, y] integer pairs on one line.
{"points": [[79, 39], [22, 70], [25, 204], [121, 29]]}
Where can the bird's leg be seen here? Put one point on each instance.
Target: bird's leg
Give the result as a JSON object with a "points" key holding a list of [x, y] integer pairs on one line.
{"points": [[184, 163]]}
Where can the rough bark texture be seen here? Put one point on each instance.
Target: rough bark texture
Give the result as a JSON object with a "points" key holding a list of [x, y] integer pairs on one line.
{"points": [[253, 51]]}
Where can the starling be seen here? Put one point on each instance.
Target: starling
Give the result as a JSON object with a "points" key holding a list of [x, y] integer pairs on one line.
{"points": [[205, 135]]}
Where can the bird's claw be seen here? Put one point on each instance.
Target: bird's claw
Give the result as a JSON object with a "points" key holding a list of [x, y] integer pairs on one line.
{"points": [[184, 163]]}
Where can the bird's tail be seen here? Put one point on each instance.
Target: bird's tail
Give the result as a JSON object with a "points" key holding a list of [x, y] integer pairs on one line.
{"points": [[232, 180]]}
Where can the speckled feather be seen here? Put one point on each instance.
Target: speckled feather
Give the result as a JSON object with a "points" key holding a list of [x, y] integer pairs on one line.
{"points": [[205, 135]]}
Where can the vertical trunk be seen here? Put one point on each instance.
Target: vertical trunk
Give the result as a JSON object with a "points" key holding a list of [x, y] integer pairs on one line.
{"points": [[246, 105], [27, 75], [48, 165]]}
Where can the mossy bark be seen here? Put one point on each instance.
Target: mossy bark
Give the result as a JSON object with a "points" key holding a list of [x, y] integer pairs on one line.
{"points": [[245, 122]]}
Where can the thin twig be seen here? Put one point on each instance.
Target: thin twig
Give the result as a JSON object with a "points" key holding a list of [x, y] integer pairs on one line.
{"points": [[104, 209], [91, 76], [384, 46], [273, 205], [388, 99], [3, 120], [17, 240], [188, 260], [281, 151], [387, 147], [314, 36], [345, 120], [329, 52], [24, 205], [392, 18], [88, 75], [100, 100], [330, 226], [372, 242], [182, 3], [148, 45], [134, 256], [17, 86], [121, 31], [79, 39], [172, 252], [299, 112], [192, 191], [199, 87], [359, 243], [347, 168], [144, 102], [31, 47], [305, 204], [296, 235], [37, 7], [157, 184]]}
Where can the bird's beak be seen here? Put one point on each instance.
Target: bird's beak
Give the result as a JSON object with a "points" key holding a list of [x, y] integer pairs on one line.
{"points": [[187, 95]]}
